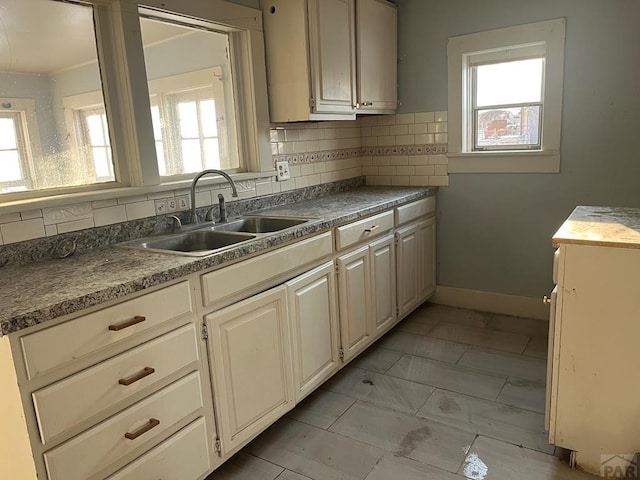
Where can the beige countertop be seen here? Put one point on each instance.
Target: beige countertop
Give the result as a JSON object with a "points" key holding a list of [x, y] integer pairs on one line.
{"points": [[603, 226]]}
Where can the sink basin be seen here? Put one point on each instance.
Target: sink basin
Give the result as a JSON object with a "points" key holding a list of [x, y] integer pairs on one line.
{"points": [[260, 224], [195, 243]]}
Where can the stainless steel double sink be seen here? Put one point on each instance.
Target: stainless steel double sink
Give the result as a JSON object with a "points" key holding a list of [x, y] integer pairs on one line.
{"points": [[205, 239]]}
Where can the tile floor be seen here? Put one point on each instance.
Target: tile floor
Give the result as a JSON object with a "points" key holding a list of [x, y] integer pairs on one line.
{"points": [[447, 394]]}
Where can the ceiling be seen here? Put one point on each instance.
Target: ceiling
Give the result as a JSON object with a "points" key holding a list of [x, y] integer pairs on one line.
{"points": [[45, 36]]}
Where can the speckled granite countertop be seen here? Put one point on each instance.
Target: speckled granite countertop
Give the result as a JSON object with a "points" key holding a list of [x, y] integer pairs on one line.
{"points": [[35, 293], [605, 226]]}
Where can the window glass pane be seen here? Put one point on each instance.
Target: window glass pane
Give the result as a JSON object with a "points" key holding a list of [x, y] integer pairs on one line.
{"points": [[10, 166], [48, 73], [194, 94], [191, 156], [8, 134], [101, 160], [508, 127], [94, 126], [208, 118], [509, 82], [212, 153]]}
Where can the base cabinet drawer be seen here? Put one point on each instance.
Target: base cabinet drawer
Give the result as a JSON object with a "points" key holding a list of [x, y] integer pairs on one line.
{"points": [[86, 455], [184, 456], [363, 230], [80, 397], [59, 345]]}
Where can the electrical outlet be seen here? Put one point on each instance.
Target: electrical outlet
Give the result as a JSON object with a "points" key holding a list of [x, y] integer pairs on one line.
{"points": [[172, 205], [161, 207], [183, 202], [282, 170]]}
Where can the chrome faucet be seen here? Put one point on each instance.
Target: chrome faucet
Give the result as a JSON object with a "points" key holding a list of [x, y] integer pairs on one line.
{"points": [[234, 191]]}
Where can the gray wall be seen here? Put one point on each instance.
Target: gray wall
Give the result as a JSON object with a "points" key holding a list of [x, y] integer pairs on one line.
{"points": [[494, 230]]}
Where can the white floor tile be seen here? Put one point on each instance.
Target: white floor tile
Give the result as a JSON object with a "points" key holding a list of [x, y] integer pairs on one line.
{"points": [[321, 408], [315, 453], [404, 435], [423, 346], [489, 418], [399, 468], [502, 363], [481, 337], [494, 460], [449, 377], [379, 389], [243, 466], [523, 393], [377, 359]]}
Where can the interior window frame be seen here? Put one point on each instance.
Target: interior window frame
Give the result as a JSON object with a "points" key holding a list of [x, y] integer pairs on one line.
{"points": [[493, 45], [127, 104]]}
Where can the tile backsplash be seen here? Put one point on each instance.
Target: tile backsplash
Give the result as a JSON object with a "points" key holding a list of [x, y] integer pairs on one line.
{"points": [[402, 149]]}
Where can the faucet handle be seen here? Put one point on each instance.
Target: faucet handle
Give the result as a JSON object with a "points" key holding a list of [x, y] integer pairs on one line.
{"points": [[209, 216]]}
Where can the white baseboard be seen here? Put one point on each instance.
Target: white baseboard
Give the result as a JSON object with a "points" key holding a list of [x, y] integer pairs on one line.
{"points": [[514, 305]]}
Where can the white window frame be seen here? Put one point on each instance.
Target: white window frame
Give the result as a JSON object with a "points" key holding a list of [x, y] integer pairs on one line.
{"points": [[125, 89], [494, 45]]}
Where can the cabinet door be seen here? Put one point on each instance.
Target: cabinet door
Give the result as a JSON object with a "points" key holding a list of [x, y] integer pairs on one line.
{"points": [[314, 328], [332, 45], [407, 252], [549, 385], [377, 56], [427, 264], [354, 295], [251, 365], [383, 283]]}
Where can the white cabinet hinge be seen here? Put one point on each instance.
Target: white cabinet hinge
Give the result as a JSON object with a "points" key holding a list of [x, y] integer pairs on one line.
{"points": [[337, 269], [341, 353], [396, 238], [397, 311], [205, 332], [312, 102], [218, 446]]}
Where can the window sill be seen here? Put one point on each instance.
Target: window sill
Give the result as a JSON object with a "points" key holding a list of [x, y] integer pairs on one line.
{"points": [[118, 192], [504, 162]]}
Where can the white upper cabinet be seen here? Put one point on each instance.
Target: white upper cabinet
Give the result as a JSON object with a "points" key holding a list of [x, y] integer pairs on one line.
{"points": [[330, 59], [377, 53]]}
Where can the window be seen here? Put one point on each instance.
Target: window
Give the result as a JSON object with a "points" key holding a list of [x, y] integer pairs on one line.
{"points": [[14, 156], [192, 104], [49, 67], [505, 99], [202, 102]]}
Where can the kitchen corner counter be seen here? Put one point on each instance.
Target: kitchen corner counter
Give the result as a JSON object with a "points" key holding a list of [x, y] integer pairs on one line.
{"points": [[601, 226], [38, 292]]}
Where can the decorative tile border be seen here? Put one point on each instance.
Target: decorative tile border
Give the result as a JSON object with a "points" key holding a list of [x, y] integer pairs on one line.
{"points": [[388, 150]]}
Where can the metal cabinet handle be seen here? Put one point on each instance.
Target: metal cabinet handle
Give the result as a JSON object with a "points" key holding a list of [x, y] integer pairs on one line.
{"points": [[371, 228], [146, 371], [546, 299], [366, 104], [116, 327], [152, 423]]}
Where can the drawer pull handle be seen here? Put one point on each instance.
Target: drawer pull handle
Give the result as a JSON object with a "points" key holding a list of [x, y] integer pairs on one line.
{"points": [[152, 423], [129, 323], [146, 371], [371, 228]]}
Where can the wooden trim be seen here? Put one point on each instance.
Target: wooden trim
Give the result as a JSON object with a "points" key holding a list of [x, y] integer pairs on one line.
{"points": [[514, 305]]}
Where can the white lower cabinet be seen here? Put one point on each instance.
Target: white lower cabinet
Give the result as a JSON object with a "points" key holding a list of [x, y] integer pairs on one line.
{"points": [[427, 258], [366, 292], [354, 293], [408, 268], [383, 283], [314, 328], [249, 350], [184, 456]]}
